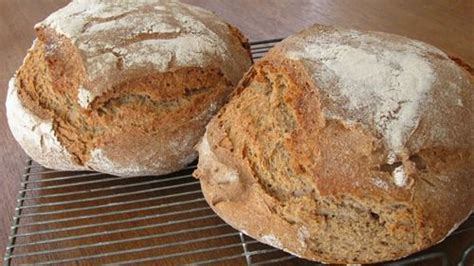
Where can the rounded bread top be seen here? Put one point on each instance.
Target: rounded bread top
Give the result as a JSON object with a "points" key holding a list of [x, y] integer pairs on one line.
{"points": [[407, 92], [344, 136], [120, 38]]}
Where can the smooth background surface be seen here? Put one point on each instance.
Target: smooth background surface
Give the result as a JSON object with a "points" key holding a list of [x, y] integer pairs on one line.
{"points": [[448, 25]]}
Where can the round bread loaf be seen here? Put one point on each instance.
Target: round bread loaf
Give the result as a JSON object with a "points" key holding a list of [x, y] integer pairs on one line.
{"points": [[345, 146], [123, 87]]}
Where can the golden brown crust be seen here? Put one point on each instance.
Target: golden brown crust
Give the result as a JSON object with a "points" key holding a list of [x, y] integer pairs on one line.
{"points": [[126, 89], [321, 186]]}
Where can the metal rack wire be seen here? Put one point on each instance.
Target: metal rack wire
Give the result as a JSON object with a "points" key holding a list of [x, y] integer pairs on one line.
{"points": [[92, 218]]}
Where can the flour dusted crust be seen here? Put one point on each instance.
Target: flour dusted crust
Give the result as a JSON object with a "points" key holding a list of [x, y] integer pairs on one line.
{"points": [[345, 146], [150, 34], [124, 87]]}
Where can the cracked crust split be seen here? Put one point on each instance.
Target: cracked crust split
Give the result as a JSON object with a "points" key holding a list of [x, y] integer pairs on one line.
{"points": [[347, 145], [125, 87]]}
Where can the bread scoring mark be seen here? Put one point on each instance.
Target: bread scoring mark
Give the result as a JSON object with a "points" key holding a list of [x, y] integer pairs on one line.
{"points": [[99, 20], [36, 136], [151, 36], [153, 25]]}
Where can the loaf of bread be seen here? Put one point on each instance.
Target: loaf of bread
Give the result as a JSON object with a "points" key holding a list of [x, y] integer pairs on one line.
{"points": [[345, 146], [123, 87]]}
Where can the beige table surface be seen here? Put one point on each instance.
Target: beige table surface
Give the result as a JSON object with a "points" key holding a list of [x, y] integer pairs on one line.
{"points": [[448, 25]]}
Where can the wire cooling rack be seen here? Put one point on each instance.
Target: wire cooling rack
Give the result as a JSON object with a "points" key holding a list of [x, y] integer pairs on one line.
{"points": [[92, 218]]}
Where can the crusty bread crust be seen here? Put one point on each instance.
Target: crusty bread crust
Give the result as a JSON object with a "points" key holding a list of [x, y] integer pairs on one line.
{"points": [[124, 87], [329, 176]]}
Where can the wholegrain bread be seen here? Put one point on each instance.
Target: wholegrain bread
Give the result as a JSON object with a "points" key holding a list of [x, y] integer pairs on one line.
{"points": [[123, 87], [344, 146]]}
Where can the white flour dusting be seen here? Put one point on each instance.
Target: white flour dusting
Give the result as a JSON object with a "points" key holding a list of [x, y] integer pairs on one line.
{"points": [[149, 34], [399, 176], [391, 158], [272, 241], [303, 235], [388, 83], [101, 162], [380, 183], [84, 97]]}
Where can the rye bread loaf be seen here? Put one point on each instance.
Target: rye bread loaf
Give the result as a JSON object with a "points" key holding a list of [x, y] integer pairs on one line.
{"points": [[123, 87], [344, 146]]}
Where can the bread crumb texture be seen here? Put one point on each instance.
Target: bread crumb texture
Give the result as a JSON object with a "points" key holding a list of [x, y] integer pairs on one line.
{"points": [[350, 147], [124, 87]]}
